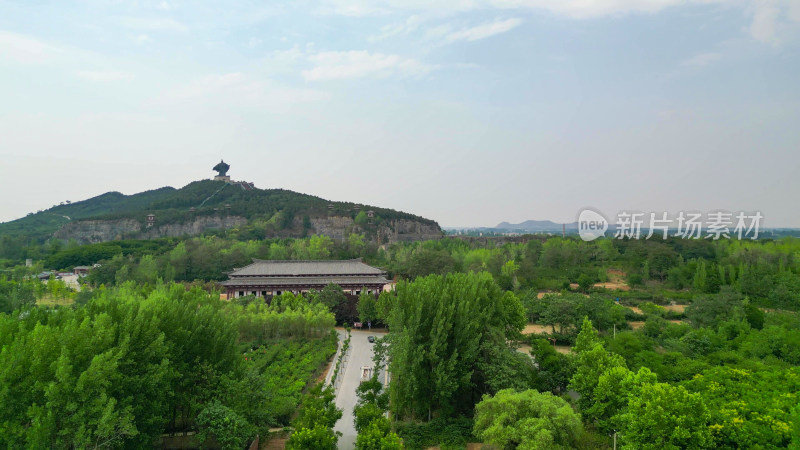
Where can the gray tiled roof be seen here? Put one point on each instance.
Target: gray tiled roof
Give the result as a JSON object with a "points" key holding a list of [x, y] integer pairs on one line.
{"points": [[305, 281], [271, 268]]}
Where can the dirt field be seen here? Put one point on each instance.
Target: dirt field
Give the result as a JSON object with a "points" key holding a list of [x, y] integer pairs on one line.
{"points": [[639, 324], [673, 308], [613, 286], [616, 280], [534, 328], [635, 309], [559, 348]]}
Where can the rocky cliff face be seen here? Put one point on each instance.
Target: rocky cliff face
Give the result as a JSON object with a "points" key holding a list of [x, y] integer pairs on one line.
{"points": [[338, 227], [93, 231], [195, 227], [335, 227], [410, 230]]}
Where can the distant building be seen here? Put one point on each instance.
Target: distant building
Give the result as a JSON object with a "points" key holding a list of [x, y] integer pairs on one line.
{"points": [[222, 175], [80, 270], [266, 278]]}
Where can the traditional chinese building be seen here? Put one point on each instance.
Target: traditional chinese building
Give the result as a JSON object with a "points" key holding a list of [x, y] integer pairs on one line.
{"points": [[265, 278]]}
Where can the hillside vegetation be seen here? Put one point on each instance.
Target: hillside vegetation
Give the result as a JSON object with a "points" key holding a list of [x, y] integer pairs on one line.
{"points": [[276, 208]]}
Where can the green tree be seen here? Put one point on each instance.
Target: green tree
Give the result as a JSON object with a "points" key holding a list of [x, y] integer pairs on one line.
{"points": [[742, 402], [710, 310], [356, 244], [229, 429], [425, 261], [526, 420], [611, 395], [315, 420], [319, 247], [361, 219], [333, 297], [378, 436], [591, 360], [438, 327], [367, 307], [553, 368], [585, 282], [319, 437], [663, 416]]}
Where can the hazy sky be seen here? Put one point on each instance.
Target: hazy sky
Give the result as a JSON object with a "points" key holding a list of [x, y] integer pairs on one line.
{"points": [[469, 112]]}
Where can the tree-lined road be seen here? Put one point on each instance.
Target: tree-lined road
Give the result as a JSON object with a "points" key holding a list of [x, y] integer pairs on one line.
{"points": [[360, 355]]}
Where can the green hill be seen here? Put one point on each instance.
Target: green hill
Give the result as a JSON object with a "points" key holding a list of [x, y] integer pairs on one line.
{"points": [[278, 209]]}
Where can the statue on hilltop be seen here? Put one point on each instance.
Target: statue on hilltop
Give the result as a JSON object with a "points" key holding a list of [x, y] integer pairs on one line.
{"points": [[222, 168]]}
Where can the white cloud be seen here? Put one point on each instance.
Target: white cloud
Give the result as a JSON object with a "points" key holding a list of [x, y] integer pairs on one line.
{"points": [[702, 59], [588, 9], [287, 57], [26, 50], [104, 76], [210, 84], [254, 42], [578, 9], [143, 39], [23, 49], [764, 27], [770, 18], [794, 11], [359, 64], [153, 24], [238, 90], [410, 25], [484, 31]]}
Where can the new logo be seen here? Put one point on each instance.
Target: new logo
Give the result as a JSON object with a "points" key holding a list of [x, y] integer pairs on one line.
{"points": [[591, 225]]}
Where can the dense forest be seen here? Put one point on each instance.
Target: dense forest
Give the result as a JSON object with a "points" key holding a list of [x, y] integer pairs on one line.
{"points": [[532, 342]]}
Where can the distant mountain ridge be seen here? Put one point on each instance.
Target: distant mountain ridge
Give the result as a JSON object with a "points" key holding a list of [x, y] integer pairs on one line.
{"points": [[205, 205], [537, 226]]}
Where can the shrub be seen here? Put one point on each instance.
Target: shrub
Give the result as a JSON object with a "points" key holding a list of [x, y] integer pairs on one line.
{"points": [[230, 430]]}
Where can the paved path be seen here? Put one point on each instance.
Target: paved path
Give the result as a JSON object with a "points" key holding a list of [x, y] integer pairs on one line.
{"points": [[360, 355]]}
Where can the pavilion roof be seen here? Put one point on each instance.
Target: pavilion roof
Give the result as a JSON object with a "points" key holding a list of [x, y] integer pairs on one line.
{"points": [[305, 281], [282, 268]]}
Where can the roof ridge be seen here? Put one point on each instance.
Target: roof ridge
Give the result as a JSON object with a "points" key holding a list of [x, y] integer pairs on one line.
{"points": [[256, 260]]}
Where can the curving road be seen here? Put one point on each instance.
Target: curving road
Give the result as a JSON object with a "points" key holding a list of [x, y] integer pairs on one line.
{"points": [[360, 355]]}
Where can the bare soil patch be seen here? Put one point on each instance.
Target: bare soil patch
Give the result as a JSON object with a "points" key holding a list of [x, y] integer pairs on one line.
{"points": [[636, 324], [621, 286], [675, 308], [635, 309], [536, 328]]}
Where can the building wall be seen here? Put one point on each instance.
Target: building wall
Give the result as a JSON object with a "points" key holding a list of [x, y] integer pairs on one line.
{"points": [[234, 292]]}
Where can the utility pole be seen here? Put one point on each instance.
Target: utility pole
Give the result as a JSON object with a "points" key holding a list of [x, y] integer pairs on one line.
{"points": [[615, 331], [615, 439]]}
